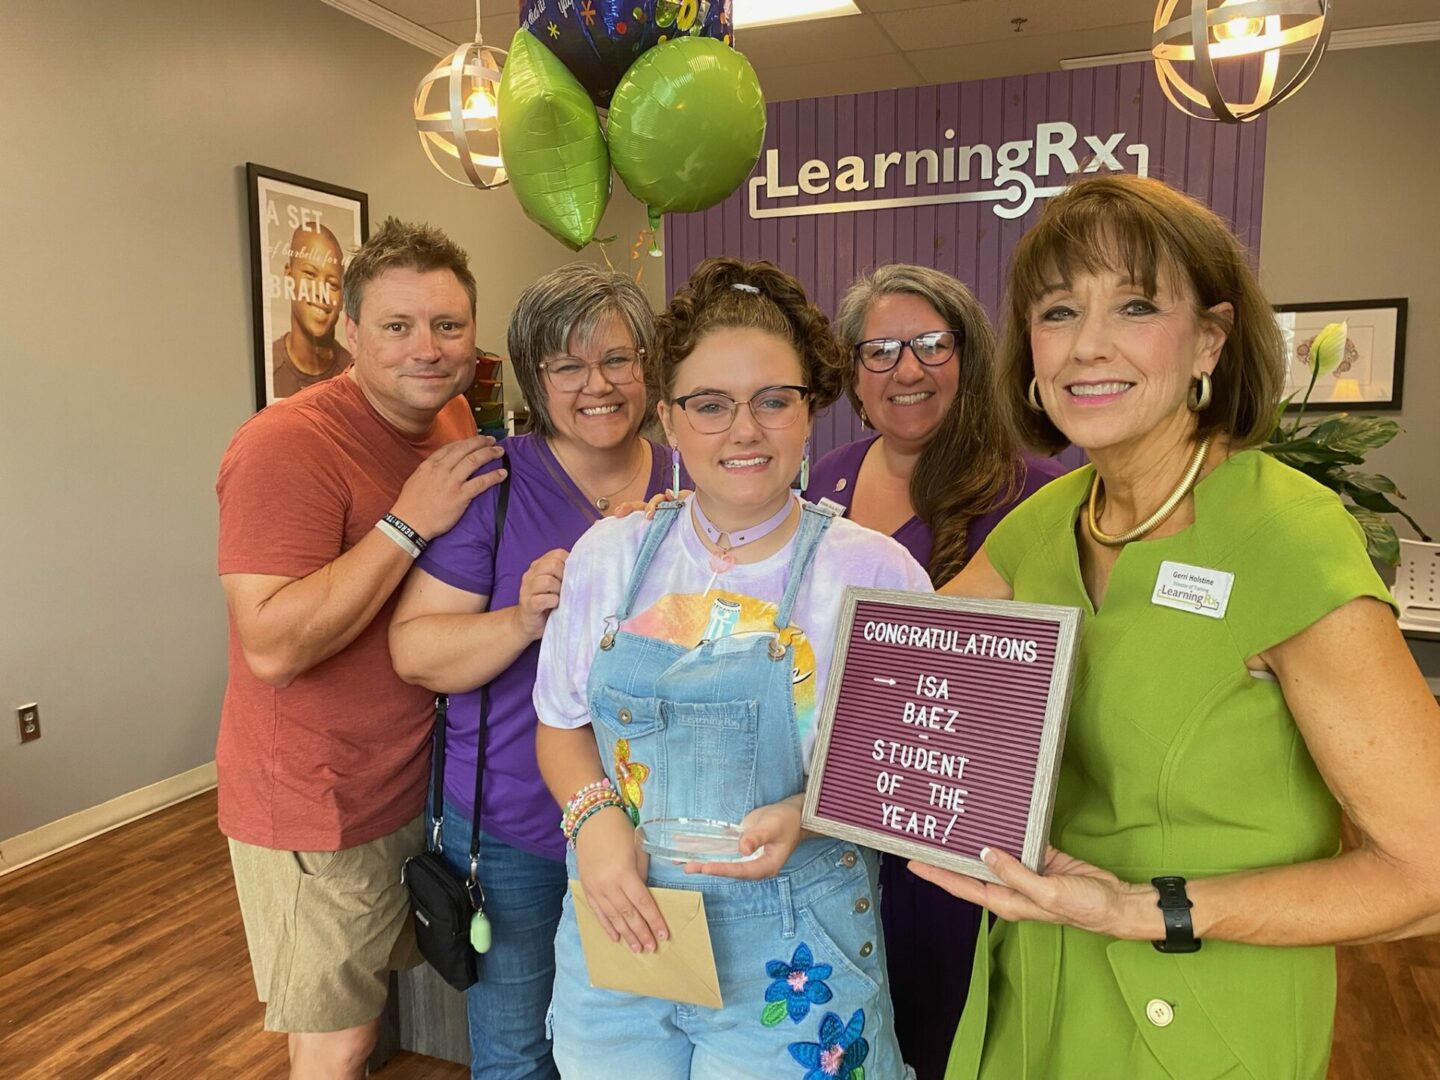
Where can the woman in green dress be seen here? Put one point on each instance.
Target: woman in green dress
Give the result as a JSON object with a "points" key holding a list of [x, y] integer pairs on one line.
{"points": [[1241, 680]]}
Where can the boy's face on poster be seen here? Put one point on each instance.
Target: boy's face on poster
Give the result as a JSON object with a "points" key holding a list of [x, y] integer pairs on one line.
{"points": [[312, 282]]}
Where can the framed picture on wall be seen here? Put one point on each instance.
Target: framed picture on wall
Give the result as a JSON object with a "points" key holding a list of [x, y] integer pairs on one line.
{"points": [[302, 233], [1370, 374]]}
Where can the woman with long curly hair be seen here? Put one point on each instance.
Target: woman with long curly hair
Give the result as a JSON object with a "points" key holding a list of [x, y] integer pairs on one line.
{"points": [[938, 473]]}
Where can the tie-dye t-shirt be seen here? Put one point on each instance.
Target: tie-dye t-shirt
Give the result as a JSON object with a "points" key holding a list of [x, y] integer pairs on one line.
{"points": [[682, 600]]}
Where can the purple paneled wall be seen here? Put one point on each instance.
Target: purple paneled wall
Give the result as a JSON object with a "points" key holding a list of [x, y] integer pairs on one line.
{"points": [[1220, 164]]}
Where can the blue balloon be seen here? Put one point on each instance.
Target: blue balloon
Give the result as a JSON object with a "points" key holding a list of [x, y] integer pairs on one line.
{"points": [[598, 40]]}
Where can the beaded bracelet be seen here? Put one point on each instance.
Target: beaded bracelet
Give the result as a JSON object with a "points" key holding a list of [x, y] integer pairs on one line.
{"points": [[588, 794], [599, 785], [567, 823], [588, 814], [583, 799]]}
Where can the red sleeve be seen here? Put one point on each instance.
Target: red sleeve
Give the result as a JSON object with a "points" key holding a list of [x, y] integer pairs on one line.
{"points": [[283, 500]]}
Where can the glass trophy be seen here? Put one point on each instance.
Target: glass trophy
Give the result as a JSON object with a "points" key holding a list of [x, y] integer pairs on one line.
{"points": [[693, 840]]}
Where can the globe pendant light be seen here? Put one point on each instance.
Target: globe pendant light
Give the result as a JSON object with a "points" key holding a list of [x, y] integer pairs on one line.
{"points": [[457, 117], [1231, 29]]}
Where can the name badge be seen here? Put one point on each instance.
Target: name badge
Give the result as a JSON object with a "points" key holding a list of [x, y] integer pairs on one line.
{"points": [[1194, 589], [832, 507]]}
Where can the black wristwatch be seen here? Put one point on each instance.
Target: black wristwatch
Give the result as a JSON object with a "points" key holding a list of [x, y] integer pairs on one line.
{"points": [[1179, 930]]}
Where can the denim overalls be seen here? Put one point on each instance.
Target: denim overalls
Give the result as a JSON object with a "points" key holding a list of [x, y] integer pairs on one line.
{"points": [[799, 956]]}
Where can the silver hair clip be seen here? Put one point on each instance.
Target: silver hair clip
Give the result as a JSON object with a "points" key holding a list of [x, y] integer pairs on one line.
{"points": [[745, 288]]}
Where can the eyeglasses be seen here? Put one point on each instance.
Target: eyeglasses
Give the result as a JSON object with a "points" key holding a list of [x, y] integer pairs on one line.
{"points": [[774, 407], [570, 373], [933, 349]]}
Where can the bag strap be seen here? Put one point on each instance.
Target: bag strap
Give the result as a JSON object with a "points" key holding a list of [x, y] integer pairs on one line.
{"points": [[437, 771], [442, 712], [501, 504]]}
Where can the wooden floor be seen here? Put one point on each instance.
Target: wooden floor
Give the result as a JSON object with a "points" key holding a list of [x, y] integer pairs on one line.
{"points": [[124, 958]]}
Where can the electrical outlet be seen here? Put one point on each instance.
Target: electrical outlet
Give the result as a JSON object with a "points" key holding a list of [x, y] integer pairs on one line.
{"points": [[29, 717]]}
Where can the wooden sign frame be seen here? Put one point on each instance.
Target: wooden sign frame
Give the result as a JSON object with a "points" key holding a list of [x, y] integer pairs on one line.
{"points": [[1062, 624]]}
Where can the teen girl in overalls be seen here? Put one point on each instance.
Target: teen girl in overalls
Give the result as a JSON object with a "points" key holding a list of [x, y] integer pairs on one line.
{"points": [[680, 677]]}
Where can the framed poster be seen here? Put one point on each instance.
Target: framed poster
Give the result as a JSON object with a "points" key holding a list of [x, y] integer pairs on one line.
{"points": [[302, 232], [1370, 374], [942, 727]]}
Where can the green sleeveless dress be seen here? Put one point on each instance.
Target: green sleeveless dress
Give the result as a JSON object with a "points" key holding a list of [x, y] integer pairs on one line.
{"points": [[1177, 761]]}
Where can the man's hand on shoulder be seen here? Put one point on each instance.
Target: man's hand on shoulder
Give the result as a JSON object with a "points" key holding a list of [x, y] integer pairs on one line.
{"points": [[442, 486], [287, 625]]}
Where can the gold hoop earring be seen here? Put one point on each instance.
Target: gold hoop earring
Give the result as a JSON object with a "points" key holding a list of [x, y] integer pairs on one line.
{"points": [[1034, 396], [1198, 399]]}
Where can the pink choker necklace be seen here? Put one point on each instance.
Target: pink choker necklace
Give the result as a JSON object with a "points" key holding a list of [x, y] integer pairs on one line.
{"points": [[724, 559]]}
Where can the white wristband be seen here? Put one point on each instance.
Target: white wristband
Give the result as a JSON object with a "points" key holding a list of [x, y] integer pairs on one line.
{"points": [[405, 543]]}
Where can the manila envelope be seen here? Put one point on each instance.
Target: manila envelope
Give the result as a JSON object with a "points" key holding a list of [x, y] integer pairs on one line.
{"points": [[681, 969]]}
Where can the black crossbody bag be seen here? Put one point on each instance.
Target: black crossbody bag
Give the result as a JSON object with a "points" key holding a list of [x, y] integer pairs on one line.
{"points": [[442, 904]]}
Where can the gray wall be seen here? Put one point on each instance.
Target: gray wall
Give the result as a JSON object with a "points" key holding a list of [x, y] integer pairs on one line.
{"points": [[125, 341], [1351, 213], [125, 352]]}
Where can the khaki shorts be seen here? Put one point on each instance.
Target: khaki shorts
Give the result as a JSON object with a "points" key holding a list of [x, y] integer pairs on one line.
{"points": [[326, 928]]}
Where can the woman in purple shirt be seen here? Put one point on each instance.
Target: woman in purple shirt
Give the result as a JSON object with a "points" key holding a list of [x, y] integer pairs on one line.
{"points": [[938, 474], [470, 616]]}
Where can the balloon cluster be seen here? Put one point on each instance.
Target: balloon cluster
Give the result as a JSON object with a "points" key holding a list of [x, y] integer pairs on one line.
{"points": [[686, 118]]}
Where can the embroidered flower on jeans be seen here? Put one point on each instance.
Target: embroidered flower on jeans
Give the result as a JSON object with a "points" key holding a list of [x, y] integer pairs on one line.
{"points": [[629, 776], [798, 985], [841, 1051]]}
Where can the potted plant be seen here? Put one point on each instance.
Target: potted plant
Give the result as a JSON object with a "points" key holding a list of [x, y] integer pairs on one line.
{"points": [[1330, 448]]}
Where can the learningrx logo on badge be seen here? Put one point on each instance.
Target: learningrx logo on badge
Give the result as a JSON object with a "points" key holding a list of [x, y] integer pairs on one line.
{"points": [[1012, 189], [1199, 600], [1193, 588]]}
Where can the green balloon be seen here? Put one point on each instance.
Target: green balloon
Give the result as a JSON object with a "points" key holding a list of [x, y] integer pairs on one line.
{"points": [[687, 123], [551, 142]]}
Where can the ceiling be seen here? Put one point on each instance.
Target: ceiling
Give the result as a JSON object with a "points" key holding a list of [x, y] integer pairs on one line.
{"points": [[895, 42]]}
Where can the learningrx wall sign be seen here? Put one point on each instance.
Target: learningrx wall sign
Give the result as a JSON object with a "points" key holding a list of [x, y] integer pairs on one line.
{"points": [[950, 176], [1010, 176]]}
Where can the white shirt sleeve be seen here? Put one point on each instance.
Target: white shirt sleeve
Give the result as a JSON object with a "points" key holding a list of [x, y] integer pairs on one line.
{"points": [[912, 576], [881, 559], [565, 653], [596, 573]]}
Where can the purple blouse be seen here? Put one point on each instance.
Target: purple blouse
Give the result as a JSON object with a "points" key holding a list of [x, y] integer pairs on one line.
{"points": [[833, 478], [546, 510]]}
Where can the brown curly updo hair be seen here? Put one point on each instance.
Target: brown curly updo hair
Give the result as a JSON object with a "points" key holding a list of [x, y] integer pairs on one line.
{"points": [[768, 299]]}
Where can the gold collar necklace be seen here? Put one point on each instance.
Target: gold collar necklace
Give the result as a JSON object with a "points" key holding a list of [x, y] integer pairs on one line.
{"points": [[1150, 524]]}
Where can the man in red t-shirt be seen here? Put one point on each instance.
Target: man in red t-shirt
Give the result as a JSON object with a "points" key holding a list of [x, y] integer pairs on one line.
{"points": [[325, 500]]}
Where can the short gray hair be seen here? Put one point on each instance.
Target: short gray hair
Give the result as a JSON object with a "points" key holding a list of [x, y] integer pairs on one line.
{"points": [[564, 303], [955, 304]]}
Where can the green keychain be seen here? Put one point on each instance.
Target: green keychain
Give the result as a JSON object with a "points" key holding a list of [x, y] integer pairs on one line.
{"points": [[480, 937], [480, 932]]}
